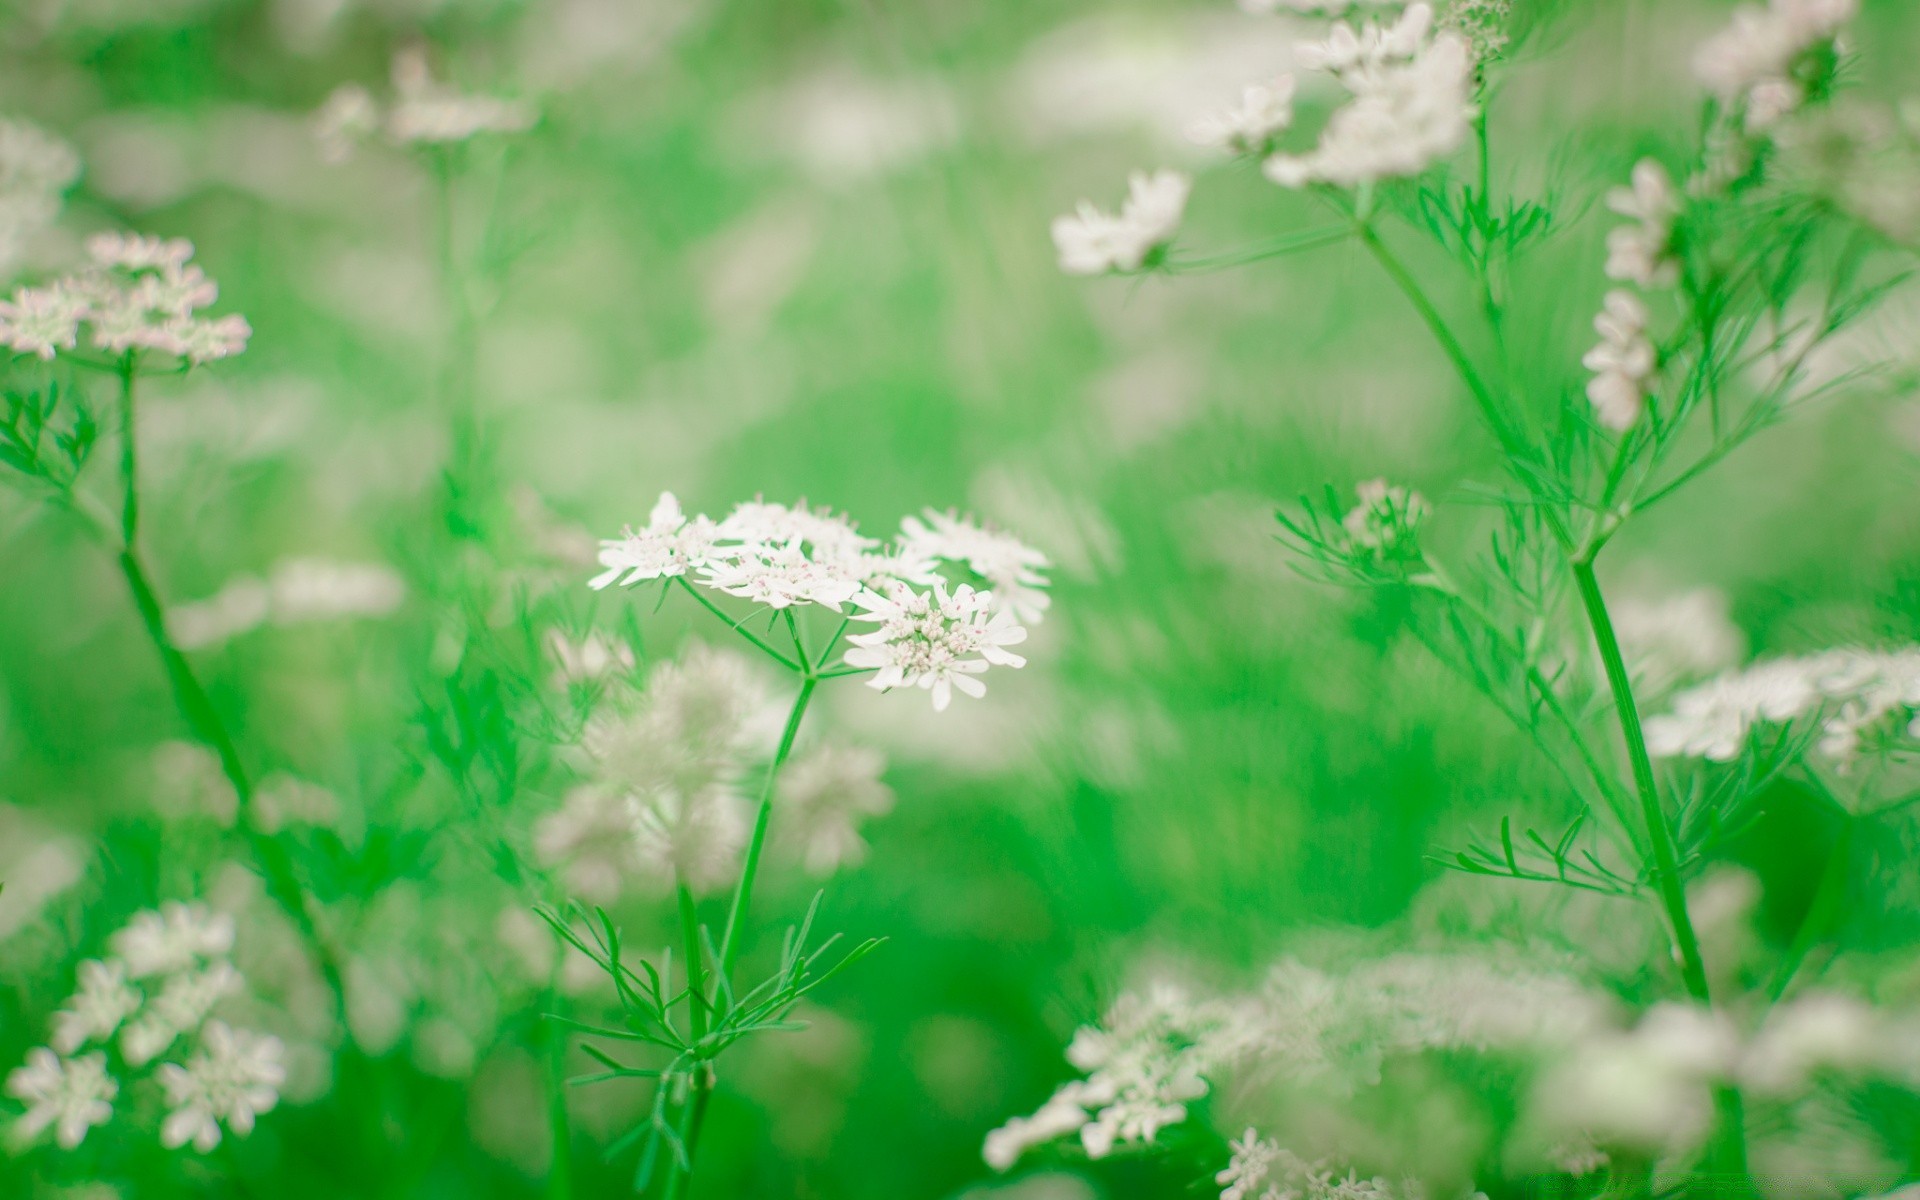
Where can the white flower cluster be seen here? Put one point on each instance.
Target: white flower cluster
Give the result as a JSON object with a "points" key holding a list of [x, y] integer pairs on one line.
{"points": [[1642, 252], [169, 969], [1623, 363], [1387, 520], [36, 169], [595, 658], [1850, 693], [424, 112], [1671, 639], [1155, 1054], [823, 797], [1261, 1169], [1264, 111], [663, 797], [1412, 89], [1092, 242], [140, 293], [297, 590], [1753, 63], [779, 556]]}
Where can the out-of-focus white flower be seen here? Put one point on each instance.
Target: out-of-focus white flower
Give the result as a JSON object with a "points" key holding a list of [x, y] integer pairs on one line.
{"points": [[593, 659], [1054, 1120], [823, 797], [42, 321], [1388, 518], [669, 545], [95, 1012], [1811, 1034], [176, 937], [1412, 105], [36, 169], [1669, 639], [349, 116], [1091, 242], [1623, 363], [1752, 61], [1642, 253], [236, 1077], [1264, 110], [297, 590], [424, 112], [71, 1096], [1646, 1089], [1014, 572], [1853, 693], [934, 640]]}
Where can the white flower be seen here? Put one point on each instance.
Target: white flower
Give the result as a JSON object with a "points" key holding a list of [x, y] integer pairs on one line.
{"points": [[1055, 1119], [1013, 571], [236, 1077], [596, 657], [1811, 1034], [1752, 61], [1387, 519], [669, 545], [42, 321], [691, 836], [933, 640], [1853, 692], [822, 799], [36, 168], [780, 576], [1669, 639], [350, 115], [103, 1001], [1091, 242], [135, 252], [426, 111], [1412, 103], [1642, 253], [177, 937], [69, 1095], [1623, 363], [1249, 127]]}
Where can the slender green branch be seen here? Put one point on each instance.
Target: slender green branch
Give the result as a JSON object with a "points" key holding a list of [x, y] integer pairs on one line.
{"points": [[737, 626], [559, 1125], [743, 892], [1312, 239]]}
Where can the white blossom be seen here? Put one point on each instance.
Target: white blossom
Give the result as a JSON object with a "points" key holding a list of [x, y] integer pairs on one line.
{"points": [[1411, 105], [1850, 693], [42, 321], [1092, 242], [236, 1077], [594, 658], [669, 545], [1387, 519], [1642, 252], [1249, 126], [140, 293], [295, 591], [1624, 362], [70, 1096], [1014, 572], [36, 169], [823, 797], [176, 937], [103, 1000], [424, 112], [933, 639], [1752, 61]]}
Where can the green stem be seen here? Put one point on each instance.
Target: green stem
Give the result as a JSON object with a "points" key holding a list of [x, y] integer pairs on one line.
{"points": [[697, 1000], [1729, 1153], [743, 894], [559, 1125], [276, 866], [692, 1116]]}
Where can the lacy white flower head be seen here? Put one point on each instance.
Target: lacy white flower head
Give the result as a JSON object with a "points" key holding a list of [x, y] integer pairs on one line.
{"points": [[296, 591], [1412, 92], [1263, 112], [1092, 242], [1857, 698], [236, 1076], [668, 545], [1387, 520], [176, 937], [141, 293], [1624, 362], [1262, 1169], [424, 112], [823, 798], [1754, 63], [96, 1010], [1643, 252], [1014, 573], [1645, 1089], [937, 640], [36, 169], [68, 1095], [594, 658]]}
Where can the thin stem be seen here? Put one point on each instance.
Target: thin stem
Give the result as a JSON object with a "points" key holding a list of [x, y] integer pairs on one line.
{"points": [[129, 455], [737, 626], [559, 1125], [692, 1116], [1313, 239], [697, 1002], [743, 893]]}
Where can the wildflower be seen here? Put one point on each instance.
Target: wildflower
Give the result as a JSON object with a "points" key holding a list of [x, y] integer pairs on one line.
{"points": [[934, 640], [782, 575], [691, 836], [1753, 60], [594, 658], [1091, 242], [95, 1011], [42, 321], [1387, 519], [1013, 571], [1672, 638], [1622, 364], [297, 590], [823, 797], [1412, 102], [1646, 1088], [177, 937], [1055, 1119], [180, 1009], [669, 545], [349, 115], [1643, 252], [71, 1095], [1264, 111], [424, 112], [1853, 694], [36, 168], [1810, 1034], [236, 1076]]}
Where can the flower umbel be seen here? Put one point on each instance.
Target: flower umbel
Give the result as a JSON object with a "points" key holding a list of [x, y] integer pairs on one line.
{"points": [[935, 639]]}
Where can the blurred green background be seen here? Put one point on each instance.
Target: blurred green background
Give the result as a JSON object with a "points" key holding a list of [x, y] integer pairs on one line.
{"points": [[800, 248]]}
